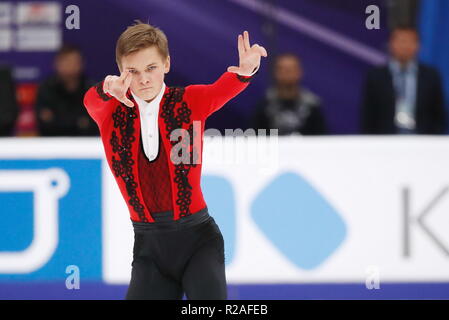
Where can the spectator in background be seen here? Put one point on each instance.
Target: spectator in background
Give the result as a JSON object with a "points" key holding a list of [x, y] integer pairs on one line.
{"points": [[59, 105], [404, 96], [8, 102], [288, 106]]}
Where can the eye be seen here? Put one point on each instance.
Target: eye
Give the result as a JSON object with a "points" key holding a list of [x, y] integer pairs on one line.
{"points": [[132, 71], [151, 68]]}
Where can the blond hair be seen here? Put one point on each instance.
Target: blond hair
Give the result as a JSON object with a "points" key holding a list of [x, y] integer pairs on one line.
{"points": [[140, 36]]}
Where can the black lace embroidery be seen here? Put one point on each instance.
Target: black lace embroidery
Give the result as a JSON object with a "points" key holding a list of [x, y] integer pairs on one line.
{"points": [[101, 93], [122, 166], [174, 121]]}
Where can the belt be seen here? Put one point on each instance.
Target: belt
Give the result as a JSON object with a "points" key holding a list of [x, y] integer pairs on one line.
{"points": [[164, 221]]}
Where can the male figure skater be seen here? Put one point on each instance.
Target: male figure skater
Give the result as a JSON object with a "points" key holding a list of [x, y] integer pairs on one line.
{"points": [[178, 247]]}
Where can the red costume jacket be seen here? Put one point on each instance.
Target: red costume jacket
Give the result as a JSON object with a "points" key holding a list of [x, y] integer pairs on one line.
{"points": [[121, 136]]}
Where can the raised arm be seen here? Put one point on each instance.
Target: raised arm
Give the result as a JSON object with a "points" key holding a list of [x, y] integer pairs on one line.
{"points": [[206, 99]]}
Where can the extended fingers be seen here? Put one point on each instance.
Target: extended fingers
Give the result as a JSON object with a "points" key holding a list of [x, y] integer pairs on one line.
{"points": [[241, 46], [123, 75], [107, 84], [128, 79], [244, 45], [246, 40]]}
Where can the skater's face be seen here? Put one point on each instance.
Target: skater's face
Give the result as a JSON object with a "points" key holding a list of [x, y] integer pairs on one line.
{"points": [[148, 69]]}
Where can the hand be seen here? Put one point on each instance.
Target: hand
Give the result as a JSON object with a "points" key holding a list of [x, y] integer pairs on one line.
{"points": [[249, 56], [118, 86]]}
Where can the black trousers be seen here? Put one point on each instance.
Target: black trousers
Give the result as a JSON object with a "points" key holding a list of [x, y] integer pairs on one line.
{"points": [[173, 258]]}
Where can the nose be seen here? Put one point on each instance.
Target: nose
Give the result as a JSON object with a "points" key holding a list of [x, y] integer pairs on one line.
{"points": [[144, 80]]}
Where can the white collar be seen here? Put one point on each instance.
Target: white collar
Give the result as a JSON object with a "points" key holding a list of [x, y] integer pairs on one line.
{"points": [[154, 102]]}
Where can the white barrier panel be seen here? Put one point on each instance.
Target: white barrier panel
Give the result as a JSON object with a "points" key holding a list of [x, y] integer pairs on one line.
{"points": [[380, 187], [331, 209]]}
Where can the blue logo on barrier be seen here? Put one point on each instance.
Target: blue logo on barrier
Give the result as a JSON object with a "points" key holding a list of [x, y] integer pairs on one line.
{"points": [[298, 220], [50, 218], [289, 211], [220, 198], [17, 213]]}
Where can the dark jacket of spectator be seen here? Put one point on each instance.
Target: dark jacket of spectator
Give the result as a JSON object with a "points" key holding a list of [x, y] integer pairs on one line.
{"points": [[8, 104], [67, 115], [379, 102], [300, 115]]}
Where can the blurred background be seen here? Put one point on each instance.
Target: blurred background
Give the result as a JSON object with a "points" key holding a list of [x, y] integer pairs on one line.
{"points": [[358, 90]]}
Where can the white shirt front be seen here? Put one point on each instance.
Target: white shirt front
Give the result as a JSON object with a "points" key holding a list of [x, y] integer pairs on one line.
{"points": [[149, 112]]}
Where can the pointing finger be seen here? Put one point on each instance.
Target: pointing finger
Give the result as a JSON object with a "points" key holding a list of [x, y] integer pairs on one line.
{"points": [[123, 75], [246, 40], [241, 45], [128, 79]]}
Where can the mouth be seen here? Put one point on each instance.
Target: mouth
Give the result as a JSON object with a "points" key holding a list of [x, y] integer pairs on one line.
{"points": [[143, 89]]}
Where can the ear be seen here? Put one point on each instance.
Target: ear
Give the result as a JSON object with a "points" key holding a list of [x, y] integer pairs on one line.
{"points": [[167, 65]]}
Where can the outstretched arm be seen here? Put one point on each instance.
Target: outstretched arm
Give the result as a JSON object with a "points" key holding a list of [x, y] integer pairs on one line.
{"points": [[209, 98]]}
